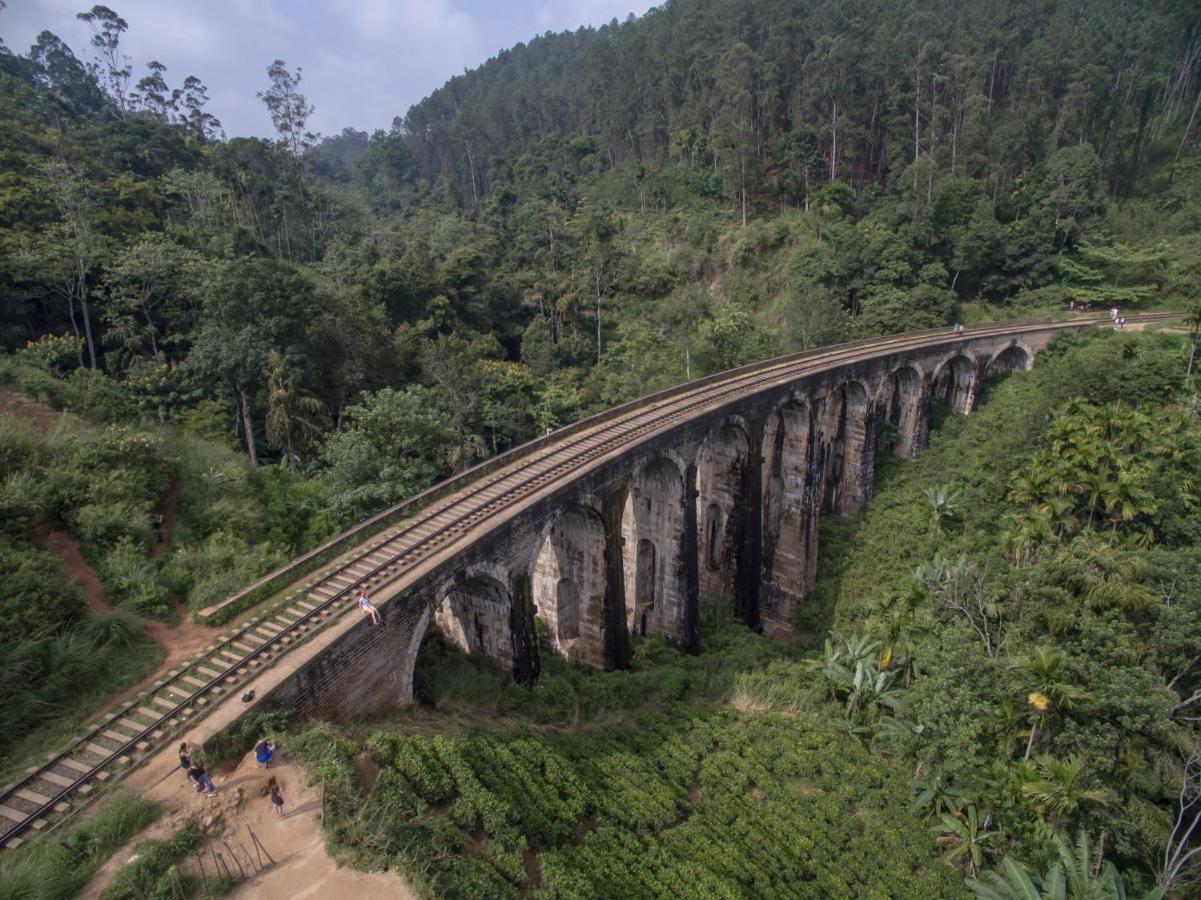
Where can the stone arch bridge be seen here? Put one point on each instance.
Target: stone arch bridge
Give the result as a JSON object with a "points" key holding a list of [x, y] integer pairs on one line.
{"points": [[635, 520]]}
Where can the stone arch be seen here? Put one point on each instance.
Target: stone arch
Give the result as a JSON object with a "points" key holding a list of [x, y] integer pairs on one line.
{"points": [[652, 531], [848, 445], [568, 585], [475, 615], [903, 405], [409, 661], [1017, 357], [789, 534], [720, 473], [955, 382]]}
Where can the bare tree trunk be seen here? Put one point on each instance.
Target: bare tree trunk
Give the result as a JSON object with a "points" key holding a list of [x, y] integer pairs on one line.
{"points": [[992, 78], [87, 319], [834, 142], [248, 427], [471, 165], [149, 325], [75, 324], [1189, 127], [599, 321], [744, 189], [291, 453]]}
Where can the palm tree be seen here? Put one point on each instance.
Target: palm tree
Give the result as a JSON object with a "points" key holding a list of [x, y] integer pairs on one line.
{"points": [[1080, 873], [1095, 486], [944, 502], [896, 627], [1127, 500], [935, 795], [832, 669], [291, 413], [1103, 575], [969, 837], [1043, 672], [1061, 788]]}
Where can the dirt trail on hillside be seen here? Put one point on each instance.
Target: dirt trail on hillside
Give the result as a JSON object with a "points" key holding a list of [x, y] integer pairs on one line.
{"points": [[66, 548], [181, 641], [302, 869], [42, 417]]}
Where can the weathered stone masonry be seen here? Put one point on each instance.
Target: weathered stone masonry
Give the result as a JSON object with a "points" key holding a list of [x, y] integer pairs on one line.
{"points": [[721, 510]]}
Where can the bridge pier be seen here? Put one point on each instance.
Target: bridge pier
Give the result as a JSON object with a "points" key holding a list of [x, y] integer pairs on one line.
{"points": [[748, 532], [789, 517], [721, 485], [616, 632], [526, 664]]}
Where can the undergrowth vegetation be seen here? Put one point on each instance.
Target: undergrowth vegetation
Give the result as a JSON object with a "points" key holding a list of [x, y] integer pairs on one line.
{"points": [[671, 779], [155, 872], [102, 476], [55, 867], [1030, 586]]}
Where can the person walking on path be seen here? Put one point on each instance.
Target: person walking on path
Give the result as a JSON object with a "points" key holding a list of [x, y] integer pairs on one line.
{"points": [[367, 608], [277, 796], [204, 784], [264, 750]]}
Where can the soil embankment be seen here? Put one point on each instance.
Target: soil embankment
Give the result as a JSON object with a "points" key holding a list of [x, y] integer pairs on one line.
{"points": [[301, 867]]}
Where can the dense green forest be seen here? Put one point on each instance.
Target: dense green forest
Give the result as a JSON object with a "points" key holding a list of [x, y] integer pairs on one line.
{"points": [[277, 337], [541, 238]]}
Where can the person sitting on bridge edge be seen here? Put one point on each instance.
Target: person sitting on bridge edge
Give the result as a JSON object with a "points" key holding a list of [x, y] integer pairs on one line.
{"points": [[368, 609], [264, 750]]}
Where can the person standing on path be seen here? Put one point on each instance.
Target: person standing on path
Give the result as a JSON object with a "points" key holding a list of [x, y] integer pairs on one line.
{"points": [[204, 784], [185, 757], [277, 796]]}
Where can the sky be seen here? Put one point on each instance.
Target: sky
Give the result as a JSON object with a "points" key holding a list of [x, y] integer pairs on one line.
{"points": [[364, 61]]}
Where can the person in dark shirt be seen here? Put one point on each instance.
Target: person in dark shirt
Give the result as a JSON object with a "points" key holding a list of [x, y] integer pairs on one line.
{"points": [[277, 796], [198, 774]]}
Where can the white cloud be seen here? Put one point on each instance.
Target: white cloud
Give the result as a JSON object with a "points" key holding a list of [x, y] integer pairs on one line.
{"points": [[568, 15], [364, 61], [411, 24]]}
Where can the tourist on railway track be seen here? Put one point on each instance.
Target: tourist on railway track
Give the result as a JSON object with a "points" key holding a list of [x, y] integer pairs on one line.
{"points": [[367, 608], [185, 757]]}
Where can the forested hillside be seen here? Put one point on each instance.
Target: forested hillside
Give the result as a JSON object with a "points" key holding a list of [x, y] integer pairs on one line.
{"points": [[588, 216]]}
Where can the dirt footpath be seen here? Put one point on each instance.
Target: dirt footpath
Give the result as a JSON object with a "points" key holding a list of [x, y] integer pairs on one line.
{"points": [[301, 870]]}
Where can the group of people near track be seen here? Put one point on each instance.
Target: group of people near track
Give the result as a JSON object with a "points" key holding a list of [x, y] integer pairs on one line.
{"points": [[264, 752]]}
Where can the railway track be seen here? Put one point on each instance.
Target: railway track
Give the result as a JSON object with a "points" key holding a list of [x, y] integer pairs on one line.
{"points": [[146, 722]]}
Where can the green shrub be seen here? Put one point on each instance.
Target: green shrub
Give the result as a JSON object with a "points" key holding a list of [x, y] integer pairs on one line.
{"points": [[54, 353], [111, 524], [133, 580], [60, 865], [155, 873], [36, 596]]}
